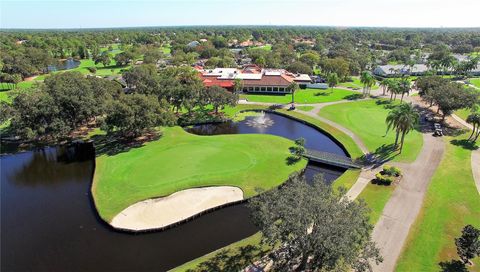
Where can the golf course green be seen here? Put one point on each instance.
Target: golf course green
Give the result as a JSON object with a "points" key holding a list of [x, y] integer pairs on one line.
{"points": [[180, 160]]}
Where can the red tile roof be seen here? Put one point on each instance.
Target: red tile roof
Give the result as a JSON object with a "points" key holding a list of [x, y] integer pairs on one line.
{"points": [[213, 81], [267, 81]]}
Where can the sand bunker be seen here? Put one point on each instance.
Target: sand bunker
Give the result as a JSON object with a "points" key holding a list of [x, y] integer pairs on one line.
{"points": [[164, 211]]}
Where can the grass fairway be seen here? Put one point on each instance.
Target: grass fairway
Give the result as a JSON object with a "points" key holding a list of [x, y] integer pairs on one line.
{"points": [[305, 108], [306, 96], [451, 202], [179, 160], [356, 84], [367, 120], [475, 82]]}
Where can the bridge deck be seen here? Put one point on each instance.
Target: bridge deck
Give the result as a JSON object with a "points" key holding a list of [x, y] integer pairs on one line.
{"points": [[330, 159]]}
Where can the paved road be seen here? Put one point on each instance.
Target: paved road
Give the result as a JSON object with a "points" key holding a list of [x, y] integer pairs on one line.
{"points": [[400, 212]]}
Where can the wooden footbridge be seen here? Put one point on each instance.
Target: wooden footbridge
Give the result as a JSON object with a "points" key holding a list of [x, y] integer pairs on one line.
{"points": [[330, 159]]}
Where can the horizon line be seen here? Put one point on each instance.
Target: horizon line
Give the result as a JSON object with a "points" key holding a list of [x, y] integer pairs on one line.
{"points": [[240, 25]]}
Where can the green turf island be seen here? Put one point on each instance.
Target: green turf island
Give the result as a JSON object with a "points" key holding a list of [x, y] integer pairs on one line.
{"points": [[180, 160]]}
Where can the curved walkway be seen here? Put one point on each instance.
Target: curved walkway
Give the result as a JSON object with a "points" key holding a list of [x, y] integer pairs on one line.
{"points": [[476, 168]]}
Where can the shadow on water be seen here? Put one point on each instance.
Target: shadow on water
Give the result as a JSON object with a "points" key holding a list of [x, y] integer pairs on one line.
{"points": [[112, 144], [226, 260]]}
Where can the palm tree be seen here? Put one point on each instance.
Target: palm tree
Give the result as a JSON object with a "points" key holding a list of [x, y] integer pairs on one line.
{"points": [[292, 88], [384, 84], [403, 118], [404, 87], [332, 80], [393, 88], [367, 79], [474, 119], [237, 85]]}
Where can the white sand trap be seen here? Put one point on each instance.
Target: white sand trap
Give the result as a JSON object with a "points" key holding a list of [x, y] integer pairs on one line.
{"points": [[164, 211]]}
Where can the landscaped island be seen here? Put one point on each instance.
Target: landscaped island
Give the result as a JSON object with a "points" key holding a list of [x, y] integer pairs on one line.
{"points": [[180, 161]]}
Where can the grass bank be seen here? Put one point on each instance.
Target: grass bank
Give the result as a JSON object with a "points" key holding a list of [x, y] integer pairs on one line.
{"points": [[451, 202], [180, 160], [367, 120], [344, 139]]}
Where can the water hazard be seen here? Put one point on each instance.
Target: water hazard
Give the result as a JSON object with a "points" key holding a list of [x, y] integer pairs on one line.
{"points": [[48, 221]]}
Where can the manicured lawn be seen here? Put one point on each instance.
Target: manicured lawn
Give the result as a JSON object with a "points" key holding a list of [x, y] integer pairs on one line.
{"points": [[367, 120], [302, 96], [451, 202], [305, 108], [355, 84], [347, 179], [180, 160], [475, 82], [166, 49], [464, 113], [267, 47], [376, 196]]}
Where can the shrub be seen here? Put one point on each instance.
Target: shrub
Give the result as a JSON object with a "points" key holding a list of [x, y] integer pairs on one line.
{"points": [[384, 179], [391, 171]]}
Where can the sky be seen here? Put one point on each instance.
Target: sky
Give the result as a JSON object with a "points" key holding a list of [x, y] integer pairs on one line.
{"points": [[124, 13]]}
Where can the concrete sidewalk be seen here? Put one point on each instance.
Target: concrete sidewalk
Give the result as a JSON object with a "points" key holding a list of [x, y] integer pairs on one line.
{"points": [[400, 212]]}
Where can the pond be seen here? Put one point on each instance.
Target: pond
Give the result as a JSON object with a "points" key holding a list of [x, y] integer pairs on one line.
{"points": [[49, 223], [64, 65]]}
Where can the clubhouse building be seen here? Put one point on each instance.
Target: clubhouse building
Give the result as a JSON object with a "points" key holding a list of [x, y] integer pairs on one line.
{"points": [[254, 79]]}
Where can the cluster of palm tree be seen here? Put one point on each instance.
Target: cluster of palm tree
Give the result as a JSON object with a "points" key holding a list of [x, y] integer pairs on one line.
{"points": [[403, 119], [368, 81], [474, 119], [451, 64], [396, 87]]}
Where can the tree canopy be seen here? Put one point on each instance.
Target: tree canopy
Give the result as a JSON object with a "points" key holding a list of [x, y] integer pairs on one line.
{"points": [[314, 227]]}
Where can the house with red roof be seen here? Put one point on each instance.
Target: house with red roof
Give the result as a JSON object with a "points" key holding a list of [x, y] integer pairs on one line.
{"points": [[254, 79]]}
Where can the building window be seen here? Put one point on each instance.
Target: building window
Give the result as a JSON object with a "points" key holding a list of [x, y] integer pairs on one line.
{"points": [[269, 89], [263, 89], [275, 89]]}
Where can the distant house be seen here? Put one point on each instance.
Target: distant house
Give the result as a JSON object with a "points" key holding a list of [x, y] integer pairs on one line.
{"points": [[400, 69], [193, 44], [254, 79]]}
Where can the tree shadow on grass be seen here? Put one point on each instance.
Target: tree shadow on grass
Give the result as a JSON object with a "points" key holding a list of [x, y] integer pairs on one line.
{"points": [[465, 144], [113, 144], [226, 261], [453, 266], [381, 155], [291, 160], [353, 97], [321, 94]]}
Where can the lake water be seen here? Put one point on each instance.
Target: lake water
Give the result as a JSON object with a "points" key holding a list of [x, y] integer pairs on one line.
{"points": [[64, 65], [49, 223]]}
